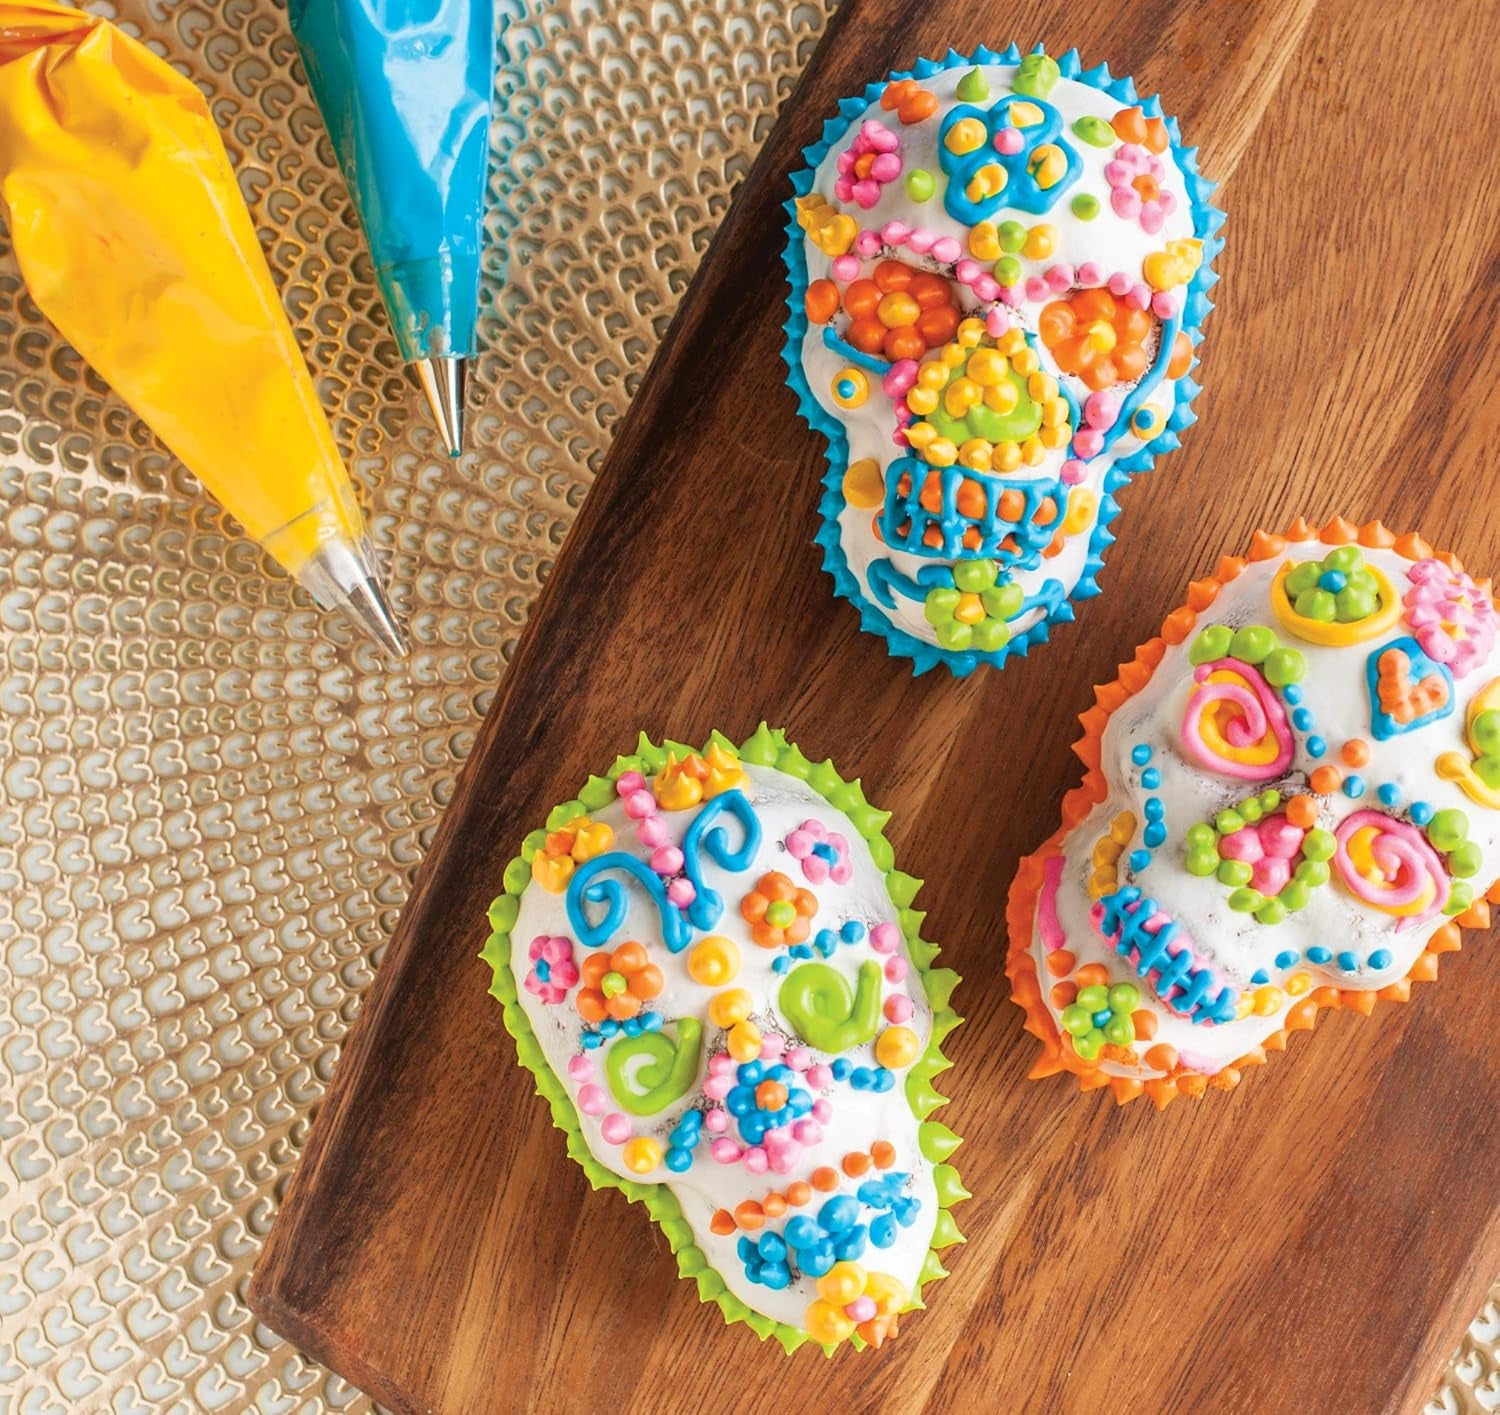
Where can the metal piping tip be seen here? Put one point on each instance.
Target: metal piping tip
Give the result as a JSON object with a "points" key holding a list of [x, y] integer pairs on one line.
{"points": [[365, 603], [344, 576], [443, 381]]}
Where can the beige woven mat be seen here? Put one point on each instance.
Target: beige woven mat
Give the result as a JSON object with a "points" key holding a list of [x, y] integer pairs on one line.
{"points": [[212, 802]]}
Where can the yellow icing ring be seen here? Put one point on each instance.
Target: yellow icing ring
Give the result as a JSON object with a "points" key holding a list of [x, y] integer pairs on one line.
{"points": [[1336, 636], [1262, 753], [1455, 767], [1358, 850]]}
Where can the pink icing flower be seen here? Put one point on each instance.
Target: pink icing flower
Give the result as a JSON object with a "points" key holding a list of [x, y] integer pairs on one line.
{"points": [[1135, 187], [553, 971], [824, 855], [1452, 618], [871, 161]]}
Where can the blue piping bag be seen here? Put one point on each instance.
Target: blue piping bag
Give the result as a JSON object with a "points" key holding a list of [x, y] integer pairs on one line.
{"points": [[405, 90]]}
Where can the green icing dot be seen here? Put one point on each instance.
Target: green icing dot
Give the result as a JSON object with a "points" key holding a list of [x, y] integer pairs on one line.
{"points": [[975, 576], [1284, 666], [1094, 131], [1465, 860], [1448, 829], [1212, 643], [1012, 237], [919, 184], [1036, 76], [972, 88], [1234, 872], [1084, 206], [1008, 271], [1252, 643]]}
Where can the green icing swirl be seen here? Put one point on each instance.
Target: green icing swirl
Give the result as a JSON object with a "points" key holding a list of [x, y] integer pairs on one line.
{"points": [[816, 1000], [667, 1072]]}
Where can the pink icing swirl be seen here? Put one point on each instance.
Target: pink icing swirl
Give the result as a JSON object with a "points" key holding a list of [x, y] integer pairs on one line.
{"points": [[1258, 713], [1405, 859]]}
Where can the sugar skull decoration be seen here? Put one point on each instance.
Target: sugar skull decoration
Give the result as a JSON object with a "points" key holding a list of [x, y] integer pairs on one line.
{"points": [[1290, 804], [999, 271], [711, 965]]}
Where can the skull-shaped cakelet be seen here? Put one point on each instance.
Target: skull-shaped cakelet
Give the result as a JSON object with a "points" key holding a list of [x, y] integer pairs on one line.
{"points": [[1292, 802], [999, 271], [710, 964]]}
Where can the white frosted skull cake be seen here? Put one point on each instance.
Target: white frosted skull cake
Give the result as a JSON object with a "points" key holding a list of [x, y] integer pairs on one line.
{"points": [[1292, 802], [999, 271], [711, 966]]}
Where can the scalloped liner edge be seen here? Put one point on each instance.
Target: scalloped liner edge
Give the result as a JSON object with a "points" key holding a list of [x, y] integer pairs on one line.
{"points": [[766, 747], [1207, 219], [1020, 914]]}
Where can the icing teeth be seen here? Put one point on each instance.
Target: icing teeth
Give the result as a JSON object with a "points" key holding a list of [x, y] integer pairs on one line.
{"points": [[707, 973], [1275, 818], [999, 271]]}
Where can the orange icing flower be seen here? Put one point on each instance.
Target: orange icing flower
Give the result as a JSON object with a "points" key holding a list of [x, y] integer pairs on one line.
{"points": [[777, 911], [1097, 337], [581, 839], [616, 984]]}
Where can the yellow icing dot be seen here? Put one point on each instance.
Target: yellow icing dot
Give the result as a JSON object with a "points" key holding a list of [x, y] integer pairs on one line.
{"points": [[966, 135], [897, 1047], [1041, 241], [641, 1155], [1298, 984], [744, 1041], [827, 1323], [984, 242], [842, 1283], [714, 961], [864, 487], [729, 1008]]}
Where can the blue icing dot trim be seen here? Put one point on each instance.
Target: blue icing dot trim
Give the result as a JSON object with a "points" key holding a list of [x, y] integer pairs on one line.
{"points": [[1207, 219]]}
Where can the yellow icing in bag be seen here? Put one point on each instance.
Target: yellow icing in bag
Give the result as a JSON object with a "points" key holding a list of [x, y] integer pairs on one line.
{"points": [[134, 241]]}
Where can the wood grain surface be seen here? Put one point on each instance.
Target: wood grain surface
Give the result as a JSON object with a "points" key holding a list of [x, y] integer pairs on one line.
{"points": [[1312, 1242]]}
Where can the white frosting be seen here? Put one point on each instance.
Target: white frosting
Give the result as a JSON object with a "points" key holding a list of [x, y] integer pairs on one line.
{"points": [[1239, 946], [1112, 243], [859, 1118]]}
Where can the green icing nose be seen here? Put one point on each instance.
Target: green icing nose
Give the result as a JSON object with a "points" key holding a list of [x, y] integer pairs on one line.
{"points": [[612, 983]]}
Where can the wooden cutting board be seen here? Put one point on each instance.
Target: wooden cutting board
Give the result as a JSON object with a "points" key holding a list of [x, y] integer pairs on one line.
{"points": [[1312, 1242]]}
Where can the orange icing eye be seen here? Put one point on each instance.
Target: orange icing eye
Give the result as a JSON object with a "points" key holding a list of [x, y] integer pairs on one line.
{"points": [[1097, 337]]}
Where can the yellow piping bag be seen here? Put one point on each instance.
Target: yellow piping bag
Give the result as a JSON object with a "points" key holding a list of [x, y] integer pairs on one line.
{"points": [[134, 240]]}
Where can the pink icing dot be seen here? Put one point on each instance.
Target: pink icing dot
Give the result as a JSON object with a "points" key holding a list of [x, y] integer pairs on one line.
{"points": [[667, 860], [1126, 202], [921, 239], [898, 381], [1164, 304], [1011, 294], [894, 233], [886, 167], [884, 938], [716, 1122], [1089, 274], [1059, 278], [987, 288], [1036, 288], [846, 268], [1008, 141], [862, 1309], [725, 1151], [946, 250], [895, 969], [1073, 471], [771, 1047], [807, 1131], [878, 136], [721, 1064], [822, 1110], [615, 1128], [1279, 837], [681, 892], [716, 1088], [996, 322], [867, 244], [592, 1101], [1152, 217], [1270, 875], [866, 193], [629, 783], [966, 270], [1088, 442], [652, 831], [640, 804], [1139, 297], [757, 1161], [1101, 409], [580, 1068], [798, 1058], [1119, 284], [820, 1077], [1243, 845], [898, 1007]]}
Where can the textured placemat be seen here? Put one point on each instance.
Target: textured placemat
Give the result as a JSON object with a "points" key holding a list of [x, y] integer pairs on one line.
{"points": [[212, 801]]}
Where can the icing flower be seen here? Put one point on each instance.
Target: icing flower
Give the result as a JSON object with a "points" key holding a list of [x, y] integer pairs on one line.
{"points": [[823, 855], [1135, 177], [974, 612], [615, 985], [1096, 336], [563, 850], [871, 161], [1453, 618], [777, 911], [553, 971], [852, 1300], [1101, 1014], [682, 784], [1337, 589]]}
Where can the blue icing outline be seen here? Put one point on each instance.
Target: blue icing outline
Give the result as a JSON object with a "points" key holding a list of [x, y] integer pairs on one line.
{"points": [[707, 907], [1021, 191], [1207, 219]]}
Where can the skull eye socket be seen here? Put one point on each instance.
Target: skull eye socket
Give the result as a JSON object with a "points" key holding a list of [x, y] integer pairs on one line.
{"points": [[895, 312]]}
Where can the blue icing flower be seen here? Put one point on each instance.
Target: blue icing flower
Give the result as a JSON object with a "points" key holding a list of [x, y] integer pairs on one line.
{"points": [[1022, 161], [765, 1098], [765, 1260]]}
